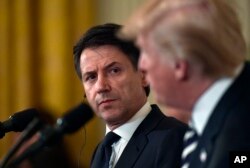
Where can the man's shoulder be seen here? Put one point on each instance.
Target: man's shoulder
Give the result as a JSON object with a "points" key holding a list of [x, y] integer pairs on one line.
{"points": [[165, 123]]}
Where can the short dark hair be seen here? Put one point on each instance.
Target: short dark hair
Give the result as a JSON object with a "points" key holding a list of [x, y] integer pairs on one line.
{"points": [[101, 35]]}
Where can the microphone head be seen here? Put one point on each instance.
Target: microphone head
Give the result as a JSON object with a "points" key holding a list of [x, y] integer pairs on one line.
{"points": [[19, 121], [74, 119]]}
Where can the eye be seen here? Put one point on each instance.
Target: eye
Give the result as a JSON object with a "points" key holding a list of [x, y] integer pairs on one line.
{"points": [[90, 77], [115, 70]]}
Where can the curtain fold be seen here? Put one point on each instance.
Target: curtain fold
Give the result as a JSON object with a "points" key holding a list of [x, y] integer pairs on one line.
{"points": [[4, 67], [36, 63], [36, 60]]}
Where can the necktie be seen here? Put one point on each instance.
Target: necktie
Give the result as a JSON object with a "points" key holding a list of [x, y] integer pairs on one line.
{"points": [[105, 151], [190, 142]]}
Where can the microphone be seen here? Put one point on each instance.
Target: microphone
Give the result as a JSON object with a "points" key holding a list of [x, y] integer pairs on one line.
{"points": [[69, 123], [18, 122]]}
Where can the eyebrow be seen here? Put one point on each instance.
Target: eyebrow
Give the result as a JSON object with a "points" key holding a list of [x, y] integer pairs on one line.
{"points": [[111, 65], [105, 68]]}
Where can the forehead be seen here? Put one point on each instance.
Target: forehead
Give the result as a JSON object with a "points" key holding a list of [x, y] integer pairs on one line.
{"points": [[141, 40], [102, 56], [145, 42]]}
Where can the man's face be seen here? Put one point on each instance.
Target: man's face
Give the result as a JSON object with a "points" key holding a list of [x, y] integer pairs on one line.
{"points": [[159, 72], [113, 87]]}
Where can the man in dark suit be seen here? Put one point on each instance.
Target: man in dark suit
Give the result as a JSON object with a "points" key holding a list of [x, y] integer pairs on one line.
{"points": [[117, 91], [194, 55]]}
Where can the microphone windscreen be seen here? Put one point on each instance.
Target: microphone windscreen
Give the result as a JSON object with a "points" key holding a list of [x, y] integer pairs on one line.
{"points": [[19, 121], [74, 119]]}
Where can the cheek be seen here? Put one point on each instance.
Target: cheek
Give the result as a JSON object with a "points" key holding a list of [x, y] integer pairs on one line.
{"points": [[90, 96], [157, 77], [126, 86], [121, 86], [144, 63], [153, 78], [154, 71]]}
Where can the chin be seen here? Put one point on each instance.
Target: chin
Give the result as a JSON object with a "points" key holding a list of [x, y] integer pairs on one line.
{"points": [[108, 115], [161, 100]]}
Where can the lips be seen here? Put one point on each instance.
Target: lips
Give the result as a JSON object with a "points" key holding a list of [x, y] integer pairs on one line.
{"points": [[106, 101]]}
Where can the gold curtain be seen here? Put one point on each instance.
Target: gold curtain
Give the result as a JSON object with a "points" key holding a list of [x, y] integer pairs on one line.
{"points": [[36, 63]]}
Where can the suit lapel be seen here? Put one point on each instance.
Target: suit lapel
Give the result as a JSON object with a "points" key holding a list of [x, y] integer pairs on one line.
{"points": [[97, 155], [216, 121], [131, 152], [139, 139]]}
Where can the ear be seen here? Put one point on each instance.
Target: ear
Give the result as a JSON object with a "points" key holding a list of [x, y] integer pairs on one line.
{"points": [[181, 70]]}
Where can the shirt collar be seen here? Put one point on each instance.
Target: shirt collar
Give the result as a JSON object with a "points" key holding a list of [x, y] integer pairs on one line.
{"points": [[208, 101], [126, 130]]}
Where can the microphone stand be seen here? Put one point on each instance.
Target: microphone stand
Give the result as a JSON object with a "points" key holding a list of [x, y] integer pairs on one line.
{"points": [[27, 133], [2, 133], [48, 136], [69, 123]]}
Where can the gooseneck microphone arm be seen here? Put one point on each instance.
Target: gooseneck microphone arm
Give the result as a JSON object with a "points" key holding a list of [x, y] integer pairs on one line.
{"points": [[31, 129], [2, 132], [69, 123]]}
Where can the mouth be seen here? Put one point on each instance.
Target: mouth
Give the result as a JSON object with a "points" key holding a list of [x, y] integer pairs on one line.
{"points": [[108, 101]]}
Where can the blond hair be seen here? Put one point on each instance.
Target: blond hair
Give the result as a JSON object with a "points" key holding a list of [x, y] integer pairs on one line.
{"points": [[204, 32]]}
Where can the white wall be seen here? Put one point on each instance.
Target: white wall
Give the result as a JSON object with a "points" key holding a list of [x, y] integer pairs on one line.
{"points": [[115, 10], [119, 10]]}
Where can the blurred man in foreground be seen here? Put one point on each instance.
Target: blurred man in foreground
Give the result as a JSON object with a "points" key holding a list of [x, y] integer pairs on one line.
{"points": [[194, 56]]}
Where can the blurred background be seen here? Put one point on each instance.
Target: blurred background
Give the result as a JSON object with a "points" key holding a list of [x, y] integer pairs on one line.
{"points": [[36, 60]]}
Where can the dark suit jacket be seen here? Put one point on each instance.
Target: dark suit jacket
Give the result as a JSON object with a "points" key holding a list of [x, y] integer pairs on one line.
{"points": [[228, 129], [156, 143]]}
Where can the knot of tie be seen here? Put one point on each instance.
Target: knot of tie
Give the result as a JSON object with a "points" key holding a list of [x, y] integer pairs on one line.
{"points": [[103, 154], [110, 138]]}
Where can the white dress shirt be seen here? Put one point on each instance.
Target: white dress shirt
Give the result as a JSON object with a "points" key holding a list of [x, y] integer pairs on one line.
{"points": [[205, 105], [126, 131]]}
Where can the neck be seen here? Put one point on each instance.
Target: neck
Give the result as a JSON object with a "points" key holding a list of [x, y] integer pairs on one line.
{"points": [[190, 90]]}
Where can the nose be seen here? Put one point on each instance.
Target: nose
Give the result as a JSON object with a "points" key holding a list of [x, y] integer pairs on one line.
{"points": [[142, 63], [102, 84]]}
